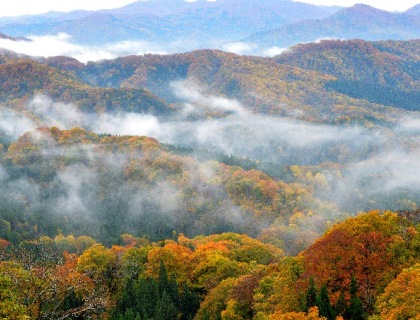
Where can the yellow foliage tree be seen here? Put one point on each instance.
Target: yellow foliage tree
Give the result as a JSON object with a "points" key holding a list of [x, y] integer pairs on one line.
{"points": [[401, 299], [96, 260], [313, 314]]}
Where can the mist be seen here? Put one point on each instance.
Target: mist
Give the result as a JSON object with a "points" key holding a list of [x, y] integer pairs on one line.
{"points": [[87, 188], [13, 124], [249, 48], [62, 45], [216, 123], [374, 168]]}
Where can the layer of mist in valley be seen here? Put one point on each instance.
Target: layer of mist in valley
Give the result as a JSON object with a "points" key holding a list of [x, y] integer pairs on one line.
{"points": [[364, 168], [62, 44]]}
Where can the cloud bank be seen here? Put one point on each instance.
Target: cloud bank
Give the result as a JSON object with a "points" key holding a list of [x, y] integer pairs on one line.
{"points": [[62, 45]]}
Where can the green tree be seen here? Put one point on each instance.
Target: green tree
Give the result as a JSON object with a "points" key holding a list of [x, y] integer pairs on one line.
{"points": [[168, 286], [165, 309], [310, 296], [355, 309], [147, 296], [341, 305], [189, 303], [324, 305]]}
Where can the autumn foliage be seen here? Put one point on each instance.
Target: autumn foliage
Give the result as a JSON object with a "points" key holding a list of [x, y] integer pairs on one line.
{"points": [[348, 273]]}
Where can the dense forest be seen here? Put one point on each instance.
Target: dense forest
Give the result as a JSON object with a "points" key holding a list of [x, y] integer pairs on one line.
{"points": [[366, 266], [209, 185], [96, 226]]}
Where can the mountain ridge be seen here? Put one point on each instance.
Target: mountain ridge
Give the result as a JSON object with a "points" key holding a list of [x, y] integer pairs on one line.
{"points": [[414, 10], [158, 21], [258, 83], [24, 78], [360, 21]]}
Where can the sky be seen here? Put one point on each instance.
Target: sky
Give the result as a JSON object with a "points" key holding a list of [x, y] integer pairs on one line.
{"points": [[22, 7]]}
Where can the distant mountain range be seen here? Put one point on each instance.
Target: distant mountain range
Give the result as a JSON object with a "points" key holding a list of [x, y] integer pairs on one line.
{"points": [[3, 36], [179, 26], [199, 24], [357, 22]]}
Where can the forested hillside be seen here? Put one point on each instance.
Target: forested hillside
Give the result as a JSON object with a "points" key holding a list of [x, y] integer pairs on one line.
{"points": [[384, 72], [331, 81], [23, 78], [122, 181], [260, 84]]}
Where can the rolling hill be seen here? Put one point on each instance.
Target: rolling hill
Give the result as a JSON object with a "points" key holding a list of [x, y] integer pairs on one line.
{"points": [[23, 78], [260, 84], [317, 82], [384, 72]]}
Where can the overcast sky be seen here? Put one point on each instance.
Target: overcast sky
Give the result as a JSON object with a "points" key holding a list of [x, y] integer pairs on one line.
{"points": [[21, 7]]}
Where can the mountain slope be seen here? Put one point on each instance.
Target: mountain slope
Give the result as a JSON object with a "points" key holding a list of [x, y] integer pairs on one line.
{"points": [[309, 82], [259, 84], [288, 9], [108, 185], [3, 36], [385, 72], [414, 10], [21, 79], [359, 21]]}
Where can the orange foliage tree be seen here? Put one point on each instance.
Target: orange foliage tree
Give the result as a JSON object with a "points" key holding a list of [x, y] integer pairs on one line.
{"points": [[369, 247]]}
